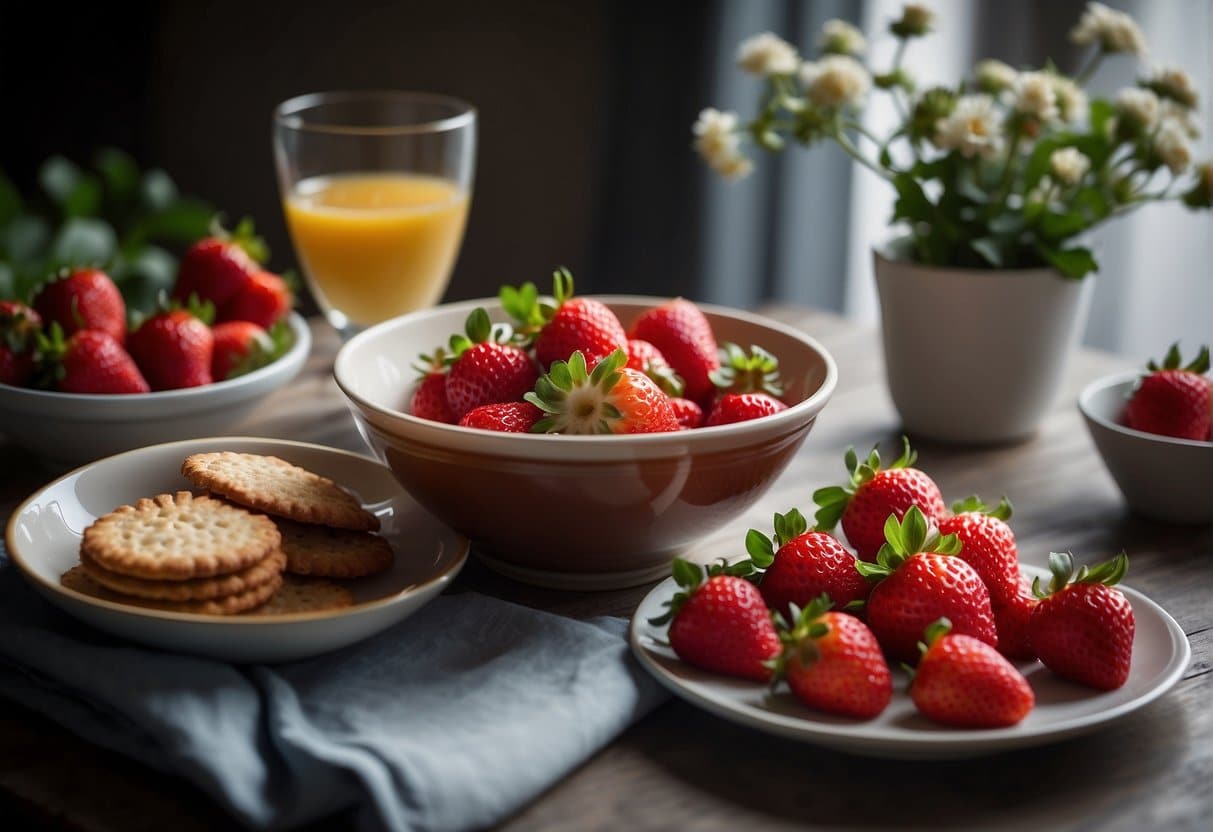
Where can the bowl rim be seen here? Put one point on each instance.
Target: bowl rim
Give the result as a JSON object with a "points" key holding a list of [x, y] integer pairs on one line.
{"points": [[303, 342], [1115, 380], [793, 415]]}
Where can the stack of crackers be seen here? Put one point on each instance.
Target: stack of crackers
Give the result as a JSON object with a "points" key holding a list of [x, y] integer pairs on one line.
{"points": [[235, 549]]}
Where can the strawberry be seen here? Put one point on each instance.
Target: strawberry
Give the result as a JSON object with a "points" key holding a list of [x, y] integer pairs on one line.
{"points": [[1174, 400], [806, 565], [684, 336], [507, 417], [739, 372], [962, 681], [572, 325], [429, 398], [83, 298], [240, 347], [485, 370], [988, 545], [1012, 618], [646, 358], [920, 580], [216, 269], [741, 407], [1083, 630], [264, 301], [174, 350], [720, 624], [832, 662], [873, 493], [611, 399], [688, 414], [90, 361], [19, 328]]}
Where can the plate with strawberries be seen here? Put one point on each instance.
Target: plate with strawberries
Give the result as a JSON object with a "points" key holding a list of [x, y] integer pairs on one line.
{"points": [[913, 633]]}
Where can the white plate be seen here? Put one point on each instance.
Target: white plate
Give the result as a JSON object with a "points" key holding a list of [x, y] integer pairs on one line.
{"points": [[44, 539], [1063, 709]]}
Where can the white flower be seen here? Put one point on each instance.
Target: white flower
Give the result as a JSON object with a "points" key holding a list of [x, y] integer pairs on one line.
{"points": [[1071, 100], [1069, 165], [974, 127], [916, 20], [835, 80], [1114, 31], [995, 76], [1175, 84], [1138, 106], [1042, 193], [841, 38], [1035, 95], [767, 54], [716, 140], [1172, 146], [1174, 111]]}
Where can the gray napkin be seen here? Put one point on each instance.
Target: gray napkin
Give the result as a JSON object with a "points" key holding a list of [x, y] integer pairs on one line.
{"points": [[452, 719]]}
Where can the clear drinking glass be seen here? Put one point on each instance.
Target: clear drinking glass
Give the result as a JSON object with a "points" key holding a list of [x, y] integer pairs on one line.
{"points": [[375, 187]]}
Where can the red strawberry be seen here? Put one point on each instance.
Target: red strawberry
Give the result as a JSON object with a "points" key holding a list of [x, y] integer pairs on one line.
{"points": [[1083, 630], [646, 358], [962, 681], [688, 414], [174, 350], [807, 564], [685, 338], [240, 347], [485, 371], [611, 399], [988, 545], [865, 503], [429, 398], [83, 298], [1012, 618], [720, 624], [741, 407], [920, 580], [833, 663], [507, 417], [91, 361], [572, 325], [264, 301], [741, 372], [1174, 400], [216, 269], [19, 328]]}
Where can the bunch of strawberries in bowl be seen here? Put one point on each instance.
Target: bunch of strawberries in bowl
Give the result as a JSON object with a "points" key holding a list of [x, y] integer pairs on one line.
{"points": [[567, 365], [225, 318], [926, 586]]}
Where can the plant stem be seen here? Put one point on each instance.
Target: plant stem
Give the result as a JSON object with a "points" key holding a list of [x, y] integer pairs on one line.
{"points": [[901, 106], [1083, 75], [1008, 173], [852, 151]]}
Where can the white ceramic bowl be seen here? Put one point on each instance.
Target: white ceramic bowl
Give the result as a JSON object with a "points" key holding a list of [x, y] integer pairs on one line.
{"points": [[73, 428], [1161, 477]]}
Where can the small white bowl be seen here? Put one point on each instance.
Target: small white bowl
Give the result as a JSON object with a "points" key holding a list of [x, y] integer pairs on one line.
{"points": [[74, 428], [1161, 477]]}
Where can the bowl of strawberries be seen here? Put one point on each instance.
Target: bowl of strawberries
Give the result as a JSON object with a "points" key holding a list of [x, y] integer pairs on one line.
{"points": [[82, 377], [1154, 431], [583, 441]]}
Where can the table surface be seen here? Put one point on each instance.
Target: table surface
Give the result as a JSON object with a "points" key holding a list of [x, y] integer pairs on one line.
{"points": [[683, 768]]}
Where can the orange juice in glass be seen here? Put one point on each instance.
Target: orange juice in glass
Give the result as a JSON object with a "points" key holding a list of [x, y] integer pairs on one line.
{"points": [[376, 188]]}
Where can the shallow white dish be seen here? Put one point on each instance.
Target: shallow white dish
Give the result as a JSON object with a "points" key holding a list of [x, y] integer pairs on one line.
{"points": [[1063, 709], [44, 533], [74, 428]]}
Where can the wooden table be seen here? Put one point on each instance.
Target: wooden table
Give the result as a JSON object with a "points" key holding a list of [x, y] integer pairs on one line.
{"points": [[683, 768]]}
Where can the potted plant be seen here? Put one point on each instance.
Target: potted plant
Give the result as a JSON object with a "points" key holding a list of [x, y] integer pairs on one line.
{"points": [[998, 181]]}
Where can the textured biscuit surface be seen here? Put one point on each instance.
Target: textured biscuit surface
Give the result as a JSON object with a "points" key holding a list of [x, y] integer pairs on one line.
{"points": [[177, 537], [193, 589], [78, 579], [333, 553], [275, 486], [306, 595]]}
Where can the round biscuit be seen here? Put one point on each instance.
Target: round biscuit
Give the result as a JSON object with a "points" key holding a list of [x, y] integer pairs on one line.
{"points": [[79, 580], [193, 589], [326, 552], [306, 595]]}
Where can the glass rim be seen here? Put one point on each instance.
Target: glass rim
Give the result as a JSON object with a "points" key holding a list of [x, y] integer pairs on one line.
{"points": [[464, 115]]}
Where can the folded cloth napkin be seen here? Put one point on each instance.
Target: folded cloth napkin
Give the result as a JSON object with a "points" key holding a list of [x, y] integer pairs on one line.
{"points": [[452, 719]]}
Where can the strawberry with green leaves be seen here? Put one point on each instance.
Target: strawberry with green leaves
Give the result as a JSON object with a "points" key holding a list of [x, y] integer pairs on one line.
{"points": [[220, 268], [610, 399], [571, 324], [988, 544], [872, 494], [919, 579], [19, 328], [265, 301], [242, 346], [646, 358], [1174, 399], [82, 298], [964, 682], [684, 336], [832, 662], [174, 349], [740, 372], [485, 368], [505, 417], [1083, 627], [429, 398], [720, 623], [90, 361]]}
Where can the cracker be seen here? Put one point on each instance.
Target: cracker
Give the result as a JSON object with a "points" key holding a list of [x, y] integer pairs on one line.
{"points": [[192, 589], [78, 579], [333, 553], [306, 595], [177, 537], [277, 487]]}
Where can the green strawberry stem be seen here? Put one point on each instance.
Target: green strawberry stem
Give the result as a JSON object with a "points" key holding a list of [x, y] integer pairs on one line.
{"points": [[757, 372], [1061, 565], [974, 505], [478, 328], [689, 576], [531, 312], [904, 539], [1173, 361], [832, 500], [798, 638]]}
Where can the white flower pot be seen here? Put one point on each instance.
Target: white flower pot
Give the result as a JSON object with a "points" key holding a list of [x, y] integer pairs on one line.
{"points": [[977, 355]]}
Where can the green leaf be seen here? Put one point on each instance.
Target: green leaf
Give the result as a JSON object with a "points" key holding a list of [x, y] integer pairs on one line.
{"points": [[82, 241], [912, 203], [1055, 226], [760, 548], [1038, 162], [85, 198], [687, 574], [1100, 114], [893, 533], [59, 178], [10, 201], [1006, 223], [142, 275], [119, 173], [184, 221], [478, 325], [24, 239], [157, 191], [8, 284], [1072, 263], [989, 249]]}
